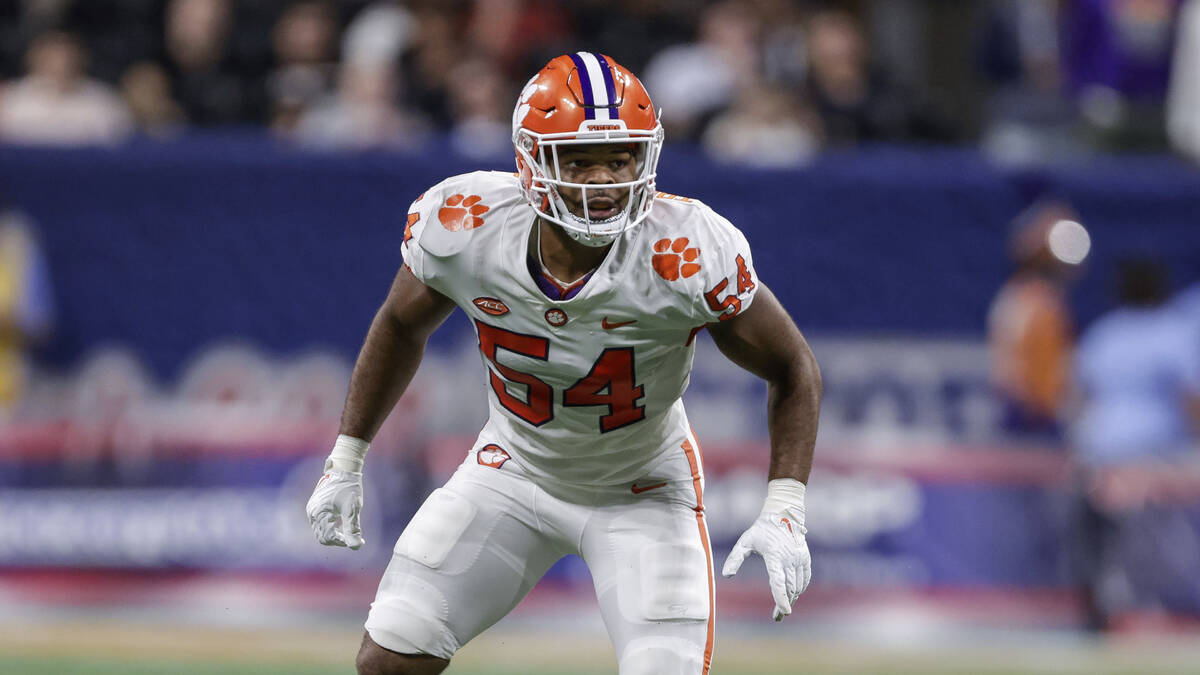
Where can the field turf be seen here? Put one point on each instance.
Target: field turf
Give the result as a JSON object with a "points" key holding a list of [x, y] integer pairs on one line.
{"points": [[116, 647]]}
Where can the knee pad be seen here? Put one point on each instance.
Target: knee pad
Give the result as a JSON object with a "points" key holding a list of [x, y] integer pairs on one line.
{"points": [[411, 619], [662, 656]]}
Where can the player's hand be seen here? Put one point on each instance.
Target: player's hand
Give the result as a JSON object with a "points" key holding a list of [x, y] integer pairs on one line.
{"points": [[334, 507], [778, 536]]}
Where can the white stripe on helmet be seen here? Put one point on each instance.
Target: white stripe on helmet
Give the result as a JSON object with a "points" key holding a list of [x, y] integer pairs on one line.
{"points": [[596, 77]]}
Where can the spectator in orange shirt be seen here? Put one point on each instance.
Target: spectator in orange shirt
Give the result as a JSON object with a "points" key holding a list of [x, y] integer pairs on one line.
{"points": [[1030, 329]]}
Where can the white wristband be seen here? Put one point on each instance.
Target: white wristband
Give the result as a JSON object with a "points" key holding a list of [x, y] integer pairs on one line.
{"points": [[785, 494], [348, 453]]}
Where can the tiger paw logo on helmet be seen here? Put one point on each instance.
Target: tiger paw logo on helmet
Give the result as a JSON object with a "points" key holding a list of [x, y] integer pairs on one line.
{"points": [[462, 213], [673, 259]]}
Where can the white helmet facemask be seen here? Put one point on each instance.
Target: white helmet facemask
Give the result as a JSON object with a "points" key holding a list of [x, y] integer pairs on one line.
{"points": [[540, 153]]}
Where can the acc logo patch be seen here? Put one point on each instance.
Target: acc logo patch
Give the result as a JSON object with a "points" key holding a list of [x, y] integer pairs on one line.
{"points": [[492, 455], [674, 259], [556, 317], [491, 306], [462, 213]]}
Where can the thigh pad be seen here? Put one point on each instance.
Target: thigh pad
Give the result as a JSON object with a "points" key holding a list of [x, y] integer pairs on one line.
{"points": [[436, 528]]}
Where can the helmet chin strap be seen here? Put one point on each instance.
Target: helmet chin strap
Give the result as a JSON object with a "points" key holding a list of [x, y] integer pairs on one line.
{"points": [[593, 240]]}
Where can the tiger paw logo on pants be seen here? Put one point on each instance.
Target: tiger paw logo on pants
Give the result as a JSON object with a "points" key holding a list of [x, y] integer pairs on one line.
{"points": [[492, 455], [673, 259], [462, 213]]}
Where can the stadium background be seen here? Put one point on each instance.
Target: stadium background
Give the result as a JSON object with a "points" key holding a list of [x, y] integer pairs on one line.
{"points": [[213, 268]]}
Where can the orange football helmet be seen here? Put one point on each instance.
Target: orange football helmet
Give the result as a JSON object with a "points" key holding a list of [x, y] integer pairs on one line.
{"points": [[585, 98]]}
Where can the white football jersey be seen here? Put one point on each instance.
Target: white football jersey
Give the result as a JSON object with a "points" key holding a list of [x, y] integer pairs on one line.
{"points": [[588, 390]]}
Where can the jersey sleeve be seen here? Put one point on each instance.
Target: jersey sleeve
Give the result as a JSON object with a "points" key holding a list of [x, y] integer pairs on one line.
{"points": [[445, 230], [728, 282], [415, 257], [437, 231]]}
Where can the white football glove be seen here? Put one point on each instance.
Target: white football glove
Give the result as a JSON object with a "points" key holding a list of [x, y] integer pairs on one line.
{"points": [[778, 536], [334, 507]]}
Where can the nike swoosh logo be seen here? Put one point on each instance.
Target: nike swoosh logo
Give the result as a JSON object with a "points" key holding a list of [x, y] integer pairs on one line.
{"points": [[639, 490], [609, 325]]}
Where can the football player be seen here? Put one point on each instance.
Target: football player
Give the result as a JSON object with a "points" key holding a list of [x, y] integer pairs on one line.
{"points": [[587, 289]]}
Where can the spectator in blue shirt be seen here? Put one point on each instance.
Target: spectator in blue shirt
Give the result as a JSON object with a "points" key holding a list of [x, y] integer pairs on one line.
{"points": [[1137, 372]]}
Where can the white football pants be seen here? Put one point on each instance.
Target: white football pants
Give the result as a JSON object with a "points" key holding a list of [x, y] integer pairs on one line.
{"points": [[479, 544]]}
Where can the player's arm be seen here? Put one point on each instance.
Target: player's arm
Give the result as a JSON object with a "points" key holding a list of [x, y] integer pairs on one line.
{"points": [[386, 364], [764, 340], [391, 353]]}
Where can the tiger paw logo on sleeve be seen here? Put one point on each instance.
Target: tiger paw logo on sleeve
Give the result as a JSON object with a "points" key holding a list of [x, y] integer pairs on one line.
{"points": [[674, 259], [462, 213]]}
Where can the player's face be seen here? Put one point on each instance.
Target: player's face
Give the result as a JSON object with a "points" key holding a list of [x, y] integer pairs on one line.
{"points": [[598, 165]]}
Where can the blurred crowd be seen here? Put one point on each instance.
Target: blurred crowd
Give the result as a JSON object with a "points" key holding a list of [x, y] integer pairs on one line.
{"points": [[1127, 387], [766, 82], [1123, 395]]}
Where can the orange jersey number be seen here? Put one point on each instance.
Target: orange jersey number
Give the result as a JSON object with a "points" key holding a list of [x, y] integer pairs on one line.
{"points": [[539, 408], [731, 301], [744, 278], [609, 383], [723, 306]]}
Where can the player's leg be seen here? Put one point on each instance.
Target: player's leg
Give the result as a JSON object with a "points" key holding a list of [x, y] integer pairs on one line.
{"points": [[652, 567], [375, 660], [467, 557]]}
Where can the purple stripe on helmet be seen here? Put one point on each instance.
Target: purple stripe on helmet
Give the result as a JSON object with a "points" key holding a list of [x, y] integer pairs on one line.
{"points": [[585, 83], [606, 67]]}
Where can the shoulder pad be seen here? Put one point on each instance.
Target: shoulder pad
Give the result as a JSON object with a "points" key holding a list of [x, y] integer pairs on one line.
{"points": [[458, 208]]}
